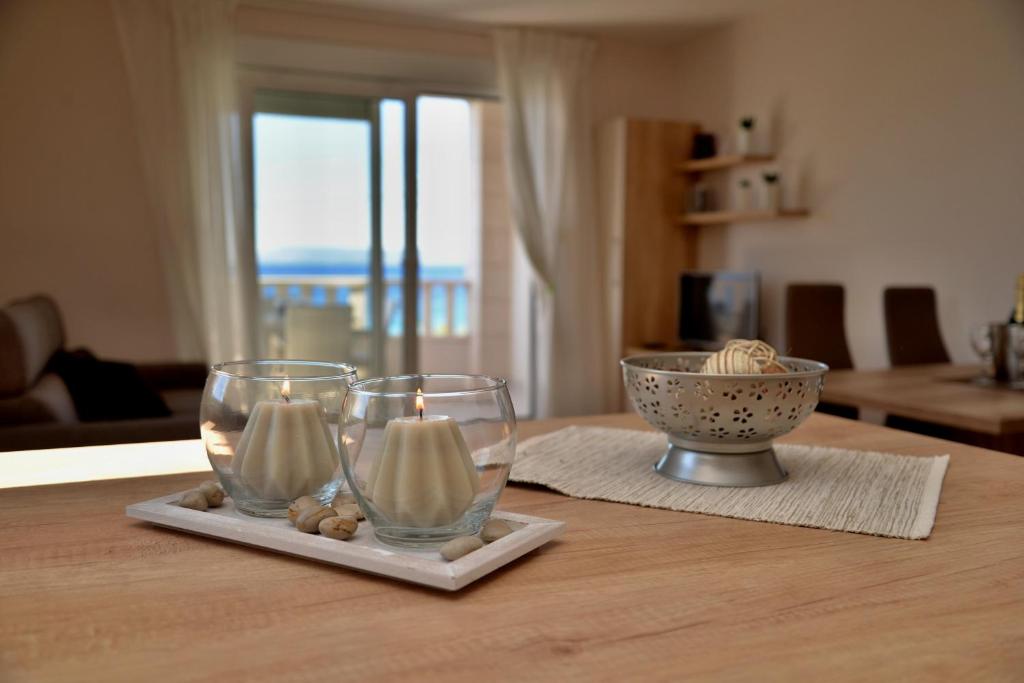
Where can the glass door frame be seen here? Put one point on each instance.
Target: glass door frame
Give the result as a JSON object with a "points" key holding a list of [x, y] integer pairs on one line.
{"points": [[253, 79]]}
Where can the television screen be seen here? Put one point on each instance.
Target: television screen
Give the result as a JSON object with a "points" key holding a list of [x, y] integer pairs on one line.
{"points": [[717, 306]]}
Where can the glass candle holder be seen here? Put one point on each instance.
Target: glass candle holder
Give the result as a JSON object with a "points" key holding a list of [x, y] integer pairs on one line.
{"points": [[270, 428], [427, 456]]}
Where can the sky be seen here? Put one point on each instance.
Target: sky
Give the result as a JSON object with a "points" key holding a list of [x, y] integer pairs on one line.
{"points": [[312, 179]]}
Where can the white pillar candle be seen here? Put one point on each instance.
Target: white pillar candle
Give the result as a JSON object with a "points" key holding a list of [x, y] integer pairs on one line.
{"points": [[424, 476], [286, 450]]}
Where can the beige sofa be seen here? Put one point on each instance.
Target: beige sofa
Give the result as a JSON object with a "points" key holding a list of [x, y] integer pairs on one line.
{"points": [[39, 410]]}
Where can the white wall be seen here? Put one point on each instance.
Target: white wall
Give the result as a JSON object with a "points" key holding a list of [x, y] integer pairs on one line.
{"points": [[75, 221], [634, 79], [903, 125]]}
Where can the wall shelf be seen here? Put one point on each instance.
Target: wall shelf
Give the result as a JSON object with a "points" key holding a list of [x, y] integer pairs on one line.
{"points": [[722, 162], [723, 217], [646, 177]]}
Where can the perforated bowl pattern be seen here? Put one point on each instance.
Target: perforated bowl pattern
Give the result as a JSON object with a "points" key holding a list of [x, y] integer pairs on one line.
{"points": [[721, 413]]}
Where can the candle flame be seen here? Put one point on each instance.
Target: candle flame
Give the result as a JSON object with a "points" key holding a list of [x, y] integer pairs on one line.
{"points": [[419, 402], [286, 390]]}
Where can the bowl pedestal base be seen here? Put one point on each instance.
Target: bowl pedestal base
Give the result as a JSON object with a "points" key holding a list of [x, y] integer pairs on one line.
{"points": [[760, 468]]}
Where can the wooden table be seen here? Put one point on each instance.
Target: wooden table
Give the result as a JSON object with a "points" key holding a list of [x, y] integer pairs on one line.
{"points": [[944, 395], [627, 593]]}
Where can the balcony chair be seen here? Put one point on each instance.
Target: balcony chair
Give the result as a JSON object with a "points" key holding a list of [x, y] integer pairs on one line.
{"points": [[321, 333]]}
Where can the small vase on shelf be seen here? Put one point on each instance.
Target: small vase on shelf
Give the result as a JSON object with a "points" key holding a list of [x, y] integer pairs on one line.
{"points": [[744, 200], [743, 135], [771, 192]]}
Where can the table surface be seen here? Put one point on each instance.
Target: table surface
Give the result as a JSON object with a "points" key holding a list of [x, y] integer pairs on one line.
{"points": [[941, 394], [627, 593]]}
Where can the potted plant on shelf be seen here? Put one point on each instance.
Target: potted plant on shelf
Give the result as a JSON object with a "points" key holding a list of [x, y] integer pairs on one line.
{"points": [[772, 195], [744, 190], [743, 134]]}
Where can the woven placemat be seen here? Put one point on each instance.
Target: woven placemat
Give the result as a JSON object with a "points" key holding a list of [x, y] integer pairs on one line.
{"points": [[881, 494]]}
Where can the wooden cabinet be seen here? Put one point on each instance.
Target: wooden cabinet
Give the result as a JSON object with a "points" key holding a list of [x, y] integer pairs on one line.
{"points": [[642, 196]]}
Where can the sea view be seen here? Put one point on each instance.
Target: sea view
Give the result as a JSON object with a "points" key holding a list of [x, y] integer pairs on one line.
{"points": [[305, 263]]}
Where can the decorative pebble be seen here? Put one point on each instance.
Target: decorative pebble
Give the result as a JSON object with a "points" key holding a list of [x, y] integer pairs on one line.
{"points": [[338, 528], [309, 519], [495, 529], [194, 500], [343, 498], [348, 510], [457, 547], [213, 492], [296, 507]]}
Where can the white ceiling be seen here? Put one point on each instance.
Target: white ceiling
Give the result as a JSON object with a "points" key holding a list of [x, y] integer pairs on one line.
{"points": [[653, 17]]}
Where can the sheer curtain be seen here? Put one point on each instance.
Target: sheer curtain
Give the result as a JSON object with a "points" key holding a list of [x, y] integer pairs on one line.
{"points": [[179, 56], [544, 82]]}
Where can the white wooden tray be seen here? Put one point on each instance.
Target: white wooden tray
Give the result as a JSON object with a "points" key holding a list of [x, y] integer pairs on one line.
{"points": [[363, 551]]}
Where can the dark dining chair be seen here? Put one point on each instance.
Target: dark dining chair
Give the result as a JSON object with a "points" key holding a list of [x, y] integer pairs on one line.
{"points": [[815, 324], [912, 326], [816, 329], [913, 336]]}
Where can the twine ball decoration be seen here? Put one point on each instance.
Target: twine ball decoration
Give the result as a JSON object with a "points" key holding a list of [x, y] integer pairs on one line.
{"points": [[743, 357]]}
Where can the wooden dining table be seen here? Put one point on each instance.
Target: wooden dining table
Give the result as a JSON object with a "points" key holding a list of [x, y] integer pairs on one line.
{"points": [[955, 398], [626, 594]]}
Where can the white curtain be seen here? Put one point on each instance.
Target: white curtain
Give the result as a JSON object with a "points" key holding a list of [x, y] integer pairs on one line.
{"points": [[544, 82], [179, 55]]}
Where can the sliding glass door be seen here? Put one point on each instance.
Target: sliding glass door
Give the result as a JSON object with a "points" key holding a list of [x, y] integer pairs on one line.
{"points": [[382, 232], [329, 176]]}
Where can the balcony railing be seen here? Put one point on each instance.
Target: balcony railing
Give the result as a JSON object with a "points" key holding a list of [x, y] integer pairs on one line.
{"points": [[439, 301]]}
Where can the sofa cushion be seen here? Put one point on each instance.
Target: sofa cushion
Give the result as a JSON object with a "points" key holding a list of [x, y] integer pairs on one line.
{"points": [[51, 391], [54, 435], [164, 376], [183, 401], [12, 362], [106, 390], [23, 409], [47, 401], [30, 332]]}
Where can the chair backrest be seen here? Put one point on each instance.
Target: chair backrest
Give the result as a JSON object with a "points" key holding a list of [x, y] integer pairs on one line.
{"points": [[912, 326], [815, 324], [318, 332]]}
